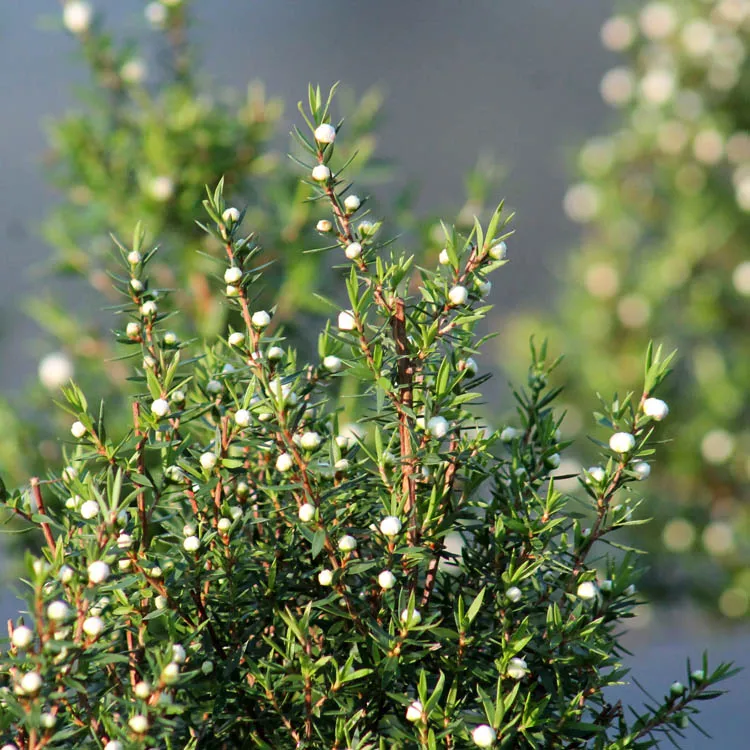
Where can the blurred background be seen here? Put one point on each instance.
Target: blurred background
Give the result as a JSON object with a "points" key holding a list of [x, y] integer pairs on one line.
{"points": [[506, 83]]}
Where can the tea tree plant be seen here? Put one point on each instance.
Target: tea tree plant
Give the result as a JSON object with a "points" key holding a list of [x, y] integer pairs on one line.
{"points": [[147, 134], [240, 569], [663, 200]]}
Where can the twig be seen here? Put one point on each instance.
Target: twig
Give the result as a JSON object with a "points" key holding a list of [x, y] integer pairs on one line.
{"points": [[37, 492]]}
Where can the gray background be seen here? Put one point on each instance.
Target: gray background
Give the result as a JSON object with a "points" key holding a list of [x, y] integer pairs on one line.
{"points": [[517, 79]]}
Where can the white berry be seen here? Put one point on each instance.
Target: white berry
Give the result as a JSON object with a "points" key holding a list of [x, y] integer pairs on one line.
{"points": [[31, 683], [514, 594], [138, 723], [499, 251], [55, 370], [642, 470], [171, 673], [306, 512], [458, 295], [484, 736], [161, 188], [90, 509], [214, 387], [390, 526], [414, 711], [386, 580], [595, 474], [332, 363], [325, 577], [48, 720], [148, 308], [191, 544], [22, 637], [242, 418], [160, 407], [78, 429], [321, 173], [208, 460], [260, 319], [516, 668], [352, 203], [134, 71], [655, 408], [484, 287], [98, 572], [677, 689], [347, 543], [586, 590], [353, 250], [310, 441], [230, 216], [438, 427], [236, 338], [77, 16], [622, 442], [156, 15], [142, 690], [58, 611], [347, 321], [325, 133], [411, 619], [93, 626], [284, 462]]}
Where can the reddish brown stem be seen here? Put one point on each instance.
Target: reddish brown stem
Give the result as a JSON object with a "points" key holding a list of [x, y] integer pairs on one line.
{"points": [[141, 500], [405, 370], [37, 492]]}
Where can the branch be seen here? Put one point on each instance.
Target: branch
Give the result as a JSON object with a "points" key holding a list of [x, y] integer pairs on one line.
{"points": [[37, 492]]}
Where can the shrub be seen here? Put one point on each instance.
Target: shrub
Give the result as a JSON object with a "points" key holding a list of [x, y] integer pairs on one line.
{"points": [[239, 569], [148, 132], [663, 200]]}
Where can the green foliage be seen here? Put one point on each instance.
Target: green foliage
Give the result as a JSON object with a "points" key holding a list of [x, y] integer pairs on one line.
{"points": [[239, 569], [148, 134], [663, 200]]}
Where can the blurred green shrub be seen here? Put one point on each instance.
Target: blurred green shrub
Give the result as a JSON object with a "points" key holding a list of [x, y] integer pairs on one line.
{"points": [[663, 202]]}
